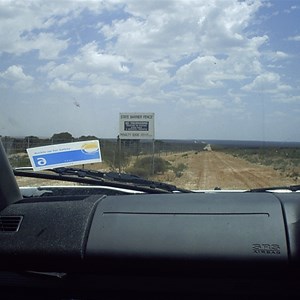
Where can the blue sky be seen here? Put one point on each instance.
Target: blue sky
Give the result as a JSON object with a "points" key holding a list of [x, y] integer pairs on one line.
{"points": [[208, 69]]}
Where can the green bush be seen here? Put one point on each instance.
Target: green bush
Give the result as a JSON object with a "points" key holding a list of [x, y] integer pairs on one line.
{"points": [[144, 166], [19, 161], [178, 170]]}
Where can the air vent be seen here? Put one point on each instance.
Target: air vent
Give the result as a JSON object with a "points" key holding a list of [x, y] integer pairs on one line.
{"points": [[10, 223]]}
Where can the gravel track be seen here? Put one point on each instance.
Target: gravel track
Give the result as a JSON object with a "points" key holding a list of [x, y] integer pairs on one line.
{"points": [[211, 169]]}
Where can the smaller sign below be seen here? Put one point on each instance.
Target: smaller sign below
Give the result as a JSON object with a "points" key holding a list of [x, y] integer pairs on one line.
{"points": [[136, 126], [62, 155]]}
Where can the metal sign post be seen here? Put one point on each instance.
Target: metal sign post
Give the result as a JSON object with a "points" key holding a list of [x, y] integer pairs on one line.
{"points": [[137, 126], [153, 152], [119, 153]]}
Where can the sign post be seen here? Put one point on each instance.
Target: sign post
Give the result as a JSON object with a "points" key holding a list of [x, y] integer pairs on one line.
{"points": [[153, 151], [137, 126], [119, 153]]}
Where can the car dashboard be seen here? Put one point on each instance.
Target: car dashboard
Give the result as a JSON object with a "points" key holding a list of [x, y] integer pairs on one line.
{"points": [[171, 244]]}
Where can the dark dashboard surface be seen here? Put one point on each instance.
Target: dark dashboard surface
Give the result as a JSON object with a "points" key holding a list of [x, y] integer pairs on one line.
{"points": [[154, 243]]}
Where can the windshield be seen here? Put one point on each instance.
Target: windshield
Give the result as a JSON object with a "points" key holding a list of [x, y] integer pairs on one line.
{"points": [[203, 95]]}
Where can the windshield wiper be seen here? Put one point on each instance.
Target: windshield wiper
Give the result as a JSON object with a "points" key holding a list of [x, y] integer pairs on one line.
{"points": [[120, 178], [111, 179], [292, 188]]}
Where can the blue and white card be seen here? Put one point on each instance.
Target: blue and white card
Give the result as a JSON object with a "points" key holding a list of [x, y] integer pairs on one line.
{"points": [[62, 155]]}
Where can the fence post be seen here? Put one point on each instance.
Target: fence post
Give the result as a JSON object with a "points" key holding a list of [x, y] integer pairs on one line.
{"points": [[153, 151], [119, 153]]}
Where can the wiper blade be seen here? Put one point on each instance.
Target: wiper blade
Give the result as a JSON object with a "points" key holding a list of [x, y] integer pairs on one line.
{"points": [[292, 188], [119, 177], [102, 179], [88, 181]]}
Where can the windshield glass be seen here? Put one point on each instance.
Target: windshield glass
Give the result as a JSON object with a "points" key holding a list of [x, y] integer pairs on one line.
{"points": [[199, 94]]}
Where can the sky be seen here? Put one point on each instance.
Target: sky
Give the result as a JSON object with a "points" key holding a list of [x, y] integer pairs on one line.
{"points": [[218, 69]]}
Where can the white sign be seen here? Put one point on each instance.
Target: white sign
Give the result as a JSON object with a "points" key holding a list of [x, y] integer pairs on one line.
{"points": [[61, 155], [136, 126]]}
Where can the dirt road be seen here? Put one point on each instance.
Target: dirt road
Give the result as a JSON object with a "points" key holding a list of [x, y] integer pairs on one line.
{"points": [[206, 170], [210, 169]]}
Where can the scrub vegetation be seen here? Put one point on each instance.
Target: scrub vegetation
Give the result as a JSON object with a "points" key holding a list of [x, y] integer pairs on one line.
{"points": [[284, 160], [149, 166], [178, 162]]}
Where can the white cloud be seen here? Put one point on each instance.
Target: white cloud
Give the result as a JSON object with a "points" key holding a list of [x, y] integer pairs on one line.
{"points": [[203, 103], [25, 25], [64, 86], [168, 32], [186, 55], [286, 98], [153, 30], [15, 73], [276, 55], [202, 72], [48, 45], [295, 38], [91, 63], [95, 89], [291, 9], [148, 44], [267, 82], [15, 76], [92, 58], [210, 72]]}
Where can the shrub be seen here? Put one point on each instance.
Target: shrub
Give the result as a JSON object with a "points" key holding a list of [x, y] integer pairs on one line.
{"points": [[178, 170], [144, 166], [18, 161]]}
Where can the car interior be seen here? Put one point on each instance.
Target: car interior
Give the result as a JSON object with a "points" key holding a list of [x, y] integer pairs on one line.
{"points": [[233, 244]]}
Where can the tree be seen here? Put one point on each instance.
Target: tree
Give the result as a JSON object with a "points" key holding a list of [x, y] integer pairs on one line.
{"points": [[63, 137]]}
